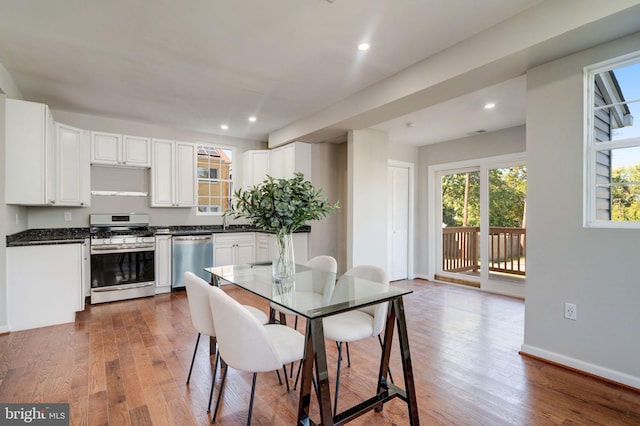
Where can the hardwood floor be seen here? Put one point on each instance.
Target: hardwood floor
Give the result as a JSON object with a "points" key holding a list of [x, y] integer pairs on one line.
{"points": [[126, 363]]}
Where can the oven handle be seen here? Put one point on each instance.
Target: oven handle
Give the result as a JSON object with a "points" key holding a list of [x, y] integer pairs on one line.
{"points": [[122, 249], [122, 287]]}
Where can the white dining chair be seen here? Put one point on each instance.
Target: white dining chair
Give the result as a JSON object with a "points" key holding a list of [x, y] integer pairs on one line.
{"points": [[202, 319], [246, 345], [324, 290], [357, 324]]}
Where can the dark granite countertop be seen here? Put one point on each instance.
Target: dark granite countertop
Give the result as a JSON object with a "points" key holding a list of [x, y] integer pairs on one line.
{"points": [[78, 235], [48, 236]]}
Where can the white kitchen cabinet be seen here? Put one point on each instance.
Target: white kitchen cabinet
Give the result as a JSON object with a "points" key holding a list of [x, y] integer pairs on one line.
{"points": [[173, 174], [73, 171], [255, 164], [44, 285], [232, 249], [163, 264], [120, 150], [46, 163], [284, 161], [265, 247]]}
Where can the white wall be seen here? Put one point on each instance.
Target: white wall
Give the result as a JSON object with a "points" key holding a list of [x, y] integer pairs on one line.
{"points": [[593, 268], [502, 142], [328, 172], [367, 192]]}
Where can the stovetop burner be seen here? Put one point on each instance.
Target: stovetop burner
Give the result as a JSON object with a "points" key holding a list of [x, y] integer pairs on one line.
{"points": [[119, 225], [108, 232]]}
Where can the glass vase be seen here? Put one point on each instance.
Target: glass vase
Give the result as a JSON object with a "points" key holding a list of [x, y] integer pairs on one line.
{"points": [[284, 266]]}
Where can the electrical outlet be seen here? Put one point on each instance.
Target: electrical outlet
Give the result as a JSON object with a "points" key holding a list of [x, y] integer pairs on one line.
{"points": [[67, 216], [571, 311]]}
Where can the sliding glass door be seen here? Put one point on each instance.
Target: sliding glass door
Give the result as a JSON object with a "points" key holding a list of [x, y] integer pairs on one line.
{"points": [[480, 224]]}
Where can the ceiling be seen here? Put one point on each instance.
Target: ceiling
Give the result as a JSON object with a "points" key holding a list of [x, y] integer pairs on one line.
{"points": [[200, 64]]}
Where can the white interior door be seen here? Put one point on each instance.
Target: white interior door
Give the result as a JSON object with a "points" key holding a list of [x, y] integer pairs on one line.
{"points": [[398, 217]]}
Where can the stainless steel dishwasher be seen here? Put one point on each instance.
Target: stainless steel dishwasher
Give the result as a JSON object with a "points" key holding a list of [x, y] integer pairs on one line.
{"points": [[190, 253]]}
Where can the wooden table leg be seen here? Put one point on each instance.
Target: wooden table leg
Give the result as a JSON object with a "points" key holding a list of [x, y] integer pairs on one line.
{"points": [[407, 368], [315, 353]]}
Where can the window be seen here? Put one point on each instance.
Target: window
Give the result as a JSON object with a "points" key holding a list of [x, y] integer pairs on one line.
{"points": [[215, 179], [612, 160]]}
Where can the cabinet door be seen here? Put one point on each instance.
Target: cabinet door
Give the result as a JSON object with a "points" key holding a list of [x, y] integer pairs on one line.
{"points": [[136, 151], [162, 173], [256, 167], [29, 159], [105, 148], [72, 167], [223, 254], [263, 247], [163, 264], [48, 294], [185, 175], [245, 253]]}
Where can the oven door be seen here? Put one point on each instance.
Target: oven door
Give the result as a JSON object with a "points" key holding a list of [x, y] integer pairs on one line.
{"points": [[119, 273]]}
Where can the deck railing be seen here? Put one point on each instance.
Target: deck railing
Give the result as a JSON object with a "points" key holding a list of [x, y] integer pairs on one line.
{"points": [[461, 249]]}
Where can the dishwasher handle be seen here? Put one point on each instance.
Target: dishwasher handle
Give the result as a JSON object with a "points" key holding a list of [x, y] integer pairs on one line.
{"points": [[193, 238]]}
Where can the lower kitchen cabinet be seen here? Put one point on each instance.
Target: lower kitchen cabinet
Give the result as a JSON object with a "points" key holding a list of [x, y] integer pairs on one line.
{"points": [[235, 248], [44, 284], [265, 247], [163, 264]]}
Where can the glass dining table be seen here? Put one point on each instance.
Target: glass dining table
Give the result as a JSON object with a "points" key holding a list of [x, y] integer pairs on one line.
{"points": [[314, 295]]}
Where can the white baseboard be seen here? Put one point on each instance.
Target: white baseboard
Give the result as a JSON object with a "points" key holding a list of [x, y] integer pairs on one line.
{"points": [[593, 369], [4, 328], [422, 277]]}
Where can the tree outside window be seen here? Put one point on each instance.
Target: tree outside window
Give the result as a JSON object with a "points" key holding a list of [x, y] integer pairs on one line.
{"points": [[612, 162]]}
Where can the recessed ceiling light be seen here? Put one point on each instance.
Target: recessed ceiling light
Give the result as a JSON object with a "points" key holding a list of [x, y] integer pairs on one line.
{"points": [[252, 119], [363, 46], [489, 105], [224, 127]]}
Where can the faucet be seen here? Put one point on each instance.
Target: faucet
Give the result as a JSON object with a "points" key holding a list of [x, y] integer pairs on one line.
{"points": [[224, 222]]}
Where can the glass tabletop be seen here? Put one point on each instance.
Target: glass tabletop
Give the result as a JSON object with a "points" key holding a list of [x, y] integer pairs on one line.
{"points": [[312, 293]]}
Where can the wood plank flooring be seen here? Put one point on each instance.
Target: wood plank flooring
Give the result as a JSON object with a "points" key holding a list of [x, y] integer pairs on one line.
{"points": [[126, 363]]}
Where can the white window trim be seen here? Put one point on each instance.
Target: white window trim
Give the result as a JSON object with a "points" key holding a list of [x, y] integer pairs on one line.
{"points": [[590, 149], [233, 177]]}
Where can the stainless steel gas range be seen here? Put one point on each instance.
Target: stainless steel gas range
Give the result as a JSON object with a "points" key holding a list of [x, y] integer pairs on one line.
{"points": [[122, 257]]}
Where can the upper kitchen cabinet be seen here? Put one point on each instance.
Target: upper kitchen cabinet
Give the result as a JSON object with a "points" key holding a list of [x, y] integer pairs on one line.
{"points": [[72, 166], [173, 174], [286, 160], [255, 166], [120, 150], [46, 163]]}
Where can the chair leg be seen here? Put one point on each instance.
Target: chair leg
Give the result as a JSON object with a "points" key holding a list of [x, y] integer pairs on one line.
{"points": [[335, 400], [297, 375], [286, 379], [283, 319], [348, 356], [213, 380], [193, 358], [279, 379], [295, 327], [224, 377], [253, 391], [381, 346]]}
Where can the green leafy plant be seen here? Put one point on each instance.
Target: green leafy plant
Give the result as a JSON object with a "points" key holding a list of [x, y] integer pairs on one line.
{"points": [[280, 205]]}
